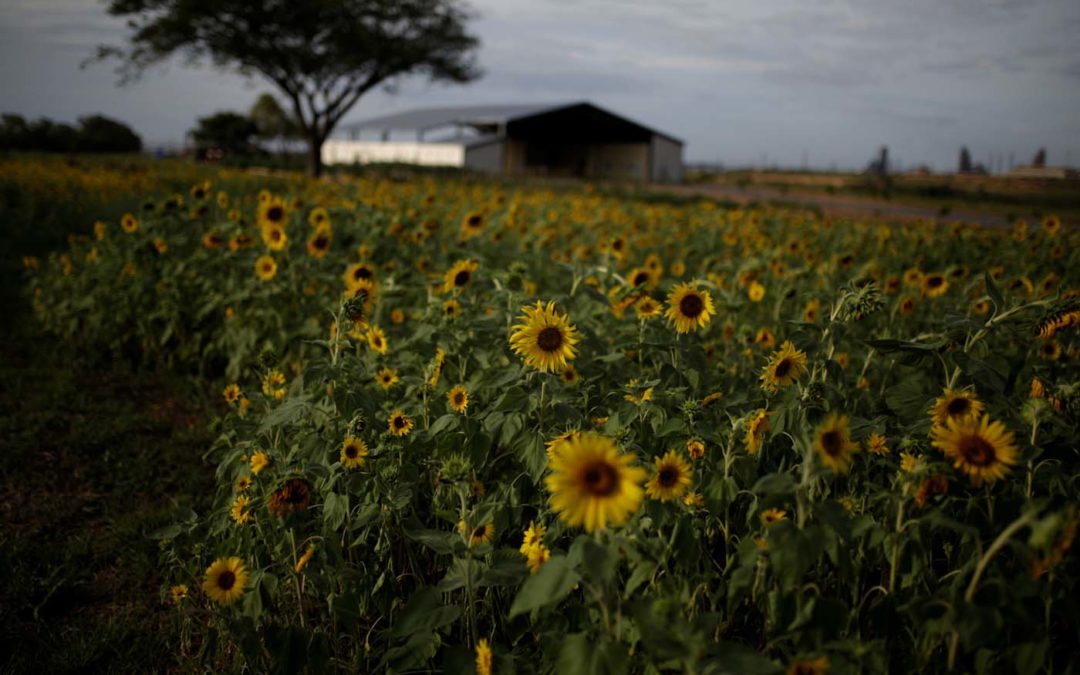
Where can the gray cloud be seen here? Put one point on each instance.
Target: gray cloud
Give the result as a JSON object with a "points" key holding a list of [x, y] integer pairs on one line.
{"points": [[737, 80]]}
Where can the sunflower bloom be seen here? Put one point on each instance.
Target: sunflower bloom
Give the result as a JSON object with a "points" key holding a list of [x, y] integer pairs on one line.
{"points": [[832, 440], [477, 535], [239, 511], [265, 268], [483, 657], [354, 452], [980, 448], [225, 580], [770, 516], [592, 484], [459, 275], [544, 337], [955, 405], [387, 378], [755, 431], [533, 536], [399, 423], [672, 478], [458, 397], [689, 308], [536, 557], [785, 367]]}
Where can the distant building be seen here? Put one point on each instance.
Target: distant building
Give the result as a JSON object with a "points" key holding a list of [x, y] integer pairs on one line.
{"points": [[571, 139], [1044, 172]]}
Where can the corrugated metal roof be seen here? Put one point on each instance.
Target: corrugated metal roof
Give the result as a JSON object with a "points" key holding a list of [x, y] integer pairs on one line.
{"points": [[429, 118]]}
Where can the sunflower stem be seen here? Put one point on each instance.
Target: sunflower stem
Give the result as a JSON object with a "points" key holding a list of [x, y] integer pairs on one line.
{"points": [[894, 556], [980, 569], [296, 579]]}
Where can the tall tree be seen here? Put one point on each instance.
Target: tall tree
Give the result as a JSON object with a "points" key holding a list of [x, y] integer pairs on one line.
{"points": [[271, 121], [965, 160], [227, 132], [323, 55], [1040, 158]]}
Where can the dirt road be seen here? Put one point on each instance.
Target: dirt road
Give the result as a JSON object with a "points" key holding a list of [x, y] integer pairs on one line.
{"points": [[839, 205]]}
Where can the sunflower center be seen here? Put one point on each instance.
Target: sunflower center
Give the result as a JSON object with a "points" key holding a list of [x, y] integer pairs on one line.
{"points": [[600, 478], [958, 406], [462, 278], [782, 368], [691, 306], [274, 213], [351, 452], [474, 221], [668, 476], [934, 281], [478, 532], [399, 422], [832, 442], [640, 278], [549, 339], [977, 451], [362, 273], [458, 399], [226, 580]]}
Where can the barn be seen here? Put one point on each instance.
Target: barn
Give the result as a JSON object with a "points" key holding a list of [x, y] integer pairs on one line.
{"points": [[569, 139]]}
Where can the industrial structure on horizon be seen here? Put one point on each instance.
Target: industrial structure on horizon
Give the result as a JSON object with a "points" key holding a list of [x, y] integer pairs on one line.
{"points": [[569, 139]]}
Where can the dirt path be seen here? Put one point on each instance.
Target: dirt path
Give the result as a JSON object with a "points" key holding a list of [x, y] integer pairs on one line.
{"points": [[839, 205]]}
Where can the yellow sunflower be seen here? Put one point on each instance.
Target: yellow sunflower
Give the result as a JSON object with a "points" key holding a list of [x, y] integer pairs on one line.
{"points": [[265, 268], [641, 276], [459, 275], [695, 448], [647, 307], [785, 367], [755, 431], [688, 308], [955, 404], [592, 484], [472, 224], [483, 657], [259, 461], [832, 440], [273, 385], [129, 223], [359, 274], [387, 378], [458, 398], [477, 535], [232, 393], [319, 242], [399, 423], [877, 444], [756, 292], [544, 337], [354, 452], [376, 340], [318, 217], [536, 556], [272, 211], [533, 536], [770, 516], [934, 285], [225, 580], [569, 375], [671, 479], [274, 237], [239, 510], [980, 448]]}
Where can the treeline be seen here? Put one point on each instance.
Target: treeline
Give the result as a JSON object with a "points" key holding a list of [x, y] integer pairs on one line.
{"points": [[94, 134]]}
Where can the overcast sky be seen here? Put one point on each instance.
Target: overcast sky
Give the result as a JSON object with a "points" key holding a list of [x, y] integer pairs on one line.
{"points": [[739, 80]]}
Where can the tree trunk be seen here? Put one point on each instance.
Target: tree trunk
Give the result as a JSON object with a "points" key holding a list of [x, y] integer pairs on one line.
{"points": [[315, 165]]}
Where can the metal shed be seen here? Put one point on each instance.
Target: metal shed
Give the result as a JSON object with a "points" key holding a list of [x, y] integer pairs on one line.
{"points": [[568, 139]]}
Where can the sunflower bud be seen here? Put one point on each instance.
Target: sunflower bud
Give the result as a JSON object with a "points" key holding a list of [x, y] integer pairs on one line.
{"points": [[455, 468]]}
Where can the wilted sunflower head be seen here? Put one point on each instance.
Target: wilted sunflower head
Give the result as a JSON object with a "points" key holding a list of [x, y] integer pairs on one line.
{"points": [[294, 496], [544, 337], [592, 484]]}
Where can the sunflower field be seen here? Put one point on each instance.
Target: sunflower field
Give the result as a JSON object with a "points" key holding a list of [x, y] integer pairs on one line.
{"points": [[476, 426]]}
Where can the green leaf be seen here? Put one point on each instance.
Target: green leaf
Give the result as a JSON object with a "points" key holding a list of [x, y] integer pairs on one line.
{"points": [[581, 654], [424, 613], [729, 657], [444, 423], [550, 585], [994, 293], [335, 508]]}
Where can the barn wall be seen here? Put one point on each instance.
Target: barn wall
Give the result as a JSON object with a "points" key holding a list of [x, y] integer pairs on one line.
{"points": [[487, 157], [667, 164], [364, 152], [618, 160], [514, 158]]}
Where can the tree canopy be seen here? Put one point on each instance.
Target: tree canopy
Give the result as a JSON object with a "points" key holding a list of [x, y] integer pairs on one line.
{"points": [[323, 55]]}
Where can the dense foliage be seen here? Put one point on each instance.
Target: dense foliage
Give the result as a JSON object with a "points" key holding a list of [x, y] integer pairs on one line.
{"points": [[472, 425]]}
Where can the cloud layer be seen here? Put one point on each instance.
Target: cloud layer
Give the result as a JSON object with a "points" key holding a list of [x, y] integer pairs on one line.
{"points": [[741, 81]]}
